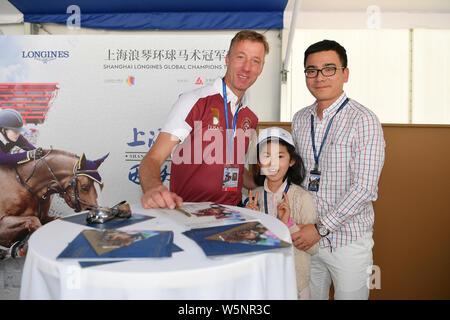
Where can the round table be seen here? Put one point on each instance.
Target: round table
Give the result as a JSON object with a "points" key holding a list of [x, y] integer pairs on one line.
{"points": [[188, 274]]}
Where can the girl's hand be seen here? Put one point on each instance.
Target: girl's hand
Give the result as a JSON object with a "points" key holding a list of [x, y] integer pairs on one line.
{"points": [[284, 209], [252, 202]]}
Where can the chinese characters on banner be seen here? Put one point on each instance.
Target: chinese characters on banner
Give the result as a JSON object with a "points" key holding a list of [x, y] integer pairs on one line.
{"points": [[147, 55], [141, 138]]}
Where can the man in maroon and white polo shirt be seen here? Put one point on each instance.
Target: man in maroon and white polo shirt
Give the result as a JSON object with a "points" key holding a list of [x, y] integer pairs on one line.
{"points": [[208, 132]]}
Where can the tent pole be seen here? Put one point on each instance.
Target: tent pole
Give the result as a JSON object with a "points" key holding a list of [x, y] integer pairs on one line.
{"points": [[284, 71]]}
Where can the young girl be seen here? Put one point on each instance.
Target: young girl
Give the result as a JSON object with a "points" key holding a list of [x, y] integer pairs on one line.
{"points": [[281, 195]]}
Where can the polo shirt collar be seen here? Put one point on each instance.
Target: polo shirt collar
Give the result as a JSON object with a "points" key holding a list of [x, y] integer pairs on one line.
{"points": [[231, 97]]}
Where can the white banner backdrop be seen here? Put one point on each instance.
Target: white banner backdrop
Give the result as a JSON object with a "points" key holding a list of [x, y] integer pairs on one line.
{"points": [[114, 93]]}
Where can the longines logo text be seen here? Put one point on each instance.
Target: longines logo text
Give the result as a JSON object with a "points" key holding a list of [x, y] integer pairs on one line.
{"points": [[45, 55]]}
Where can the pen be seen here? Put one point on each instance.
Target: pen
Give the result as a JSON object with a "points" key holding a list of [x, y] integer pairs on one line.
{"points": [[183, 211]]}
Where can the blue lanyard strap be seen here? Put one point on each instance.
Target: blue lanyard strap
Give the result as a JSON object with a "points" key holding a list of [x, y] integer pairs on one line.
{"points": [[225, 105], [316, 156], [265, 198]]}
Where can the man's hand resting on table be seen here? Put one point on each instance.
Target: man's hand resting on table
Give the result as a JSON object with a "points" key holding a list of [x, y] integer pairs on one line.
{"points": [[160, 197]]}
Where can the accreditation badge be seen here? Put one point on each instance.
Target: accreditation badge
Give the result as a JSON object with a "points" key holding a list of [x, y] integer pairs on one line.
{"points": [[230, 178], [314, 180]]}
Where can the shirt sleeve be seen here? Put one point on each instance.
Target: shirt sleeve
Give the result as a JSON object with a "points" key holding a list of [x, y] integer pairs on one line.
{"points": [[13, 158], [294, 130], [366, 163], [176, 123], [305, 212], [19, 157]]}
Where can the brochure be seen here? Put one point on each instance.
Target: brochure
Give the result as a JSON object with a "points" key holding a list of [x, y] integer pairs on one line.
{"points": [[111, 244], [203, 214], [234, 239], [206, 209], [88, 264], [109, 240]]}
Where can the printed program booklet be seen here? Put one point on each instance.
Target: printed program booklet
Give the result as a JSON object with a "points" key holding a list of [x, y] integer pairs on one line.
{"points": [[203, 214], [112, 244], [234, 239], [218, 211]]}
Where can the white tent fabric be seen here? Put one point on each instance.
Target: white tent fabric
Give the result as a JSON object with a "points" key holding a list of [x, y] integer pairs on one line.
{"points": [[9, 14]]}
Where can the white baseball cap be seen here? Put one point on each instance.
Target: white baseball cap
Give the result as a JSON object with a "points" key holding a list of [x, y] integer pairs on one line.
{"points": [[275, 132]]}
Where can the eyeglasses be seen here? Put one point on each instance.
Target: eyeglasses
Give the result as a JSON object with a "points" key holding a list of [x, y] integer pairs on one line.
{"points": [[326, 72]]}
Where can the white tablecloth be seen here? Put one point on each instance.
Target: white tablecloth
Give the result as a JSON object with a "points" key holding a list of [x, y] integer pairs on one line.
{"points": [[189, 274]]}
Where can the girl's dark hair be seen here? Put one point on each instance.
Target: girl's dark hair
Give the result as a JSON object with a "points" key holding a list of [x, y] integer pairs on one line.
{"points": [[295, 174]]}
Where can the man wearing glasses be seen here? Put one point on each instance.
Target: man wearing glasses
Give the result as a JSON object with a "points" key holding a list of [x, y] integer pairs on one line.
{"points": [[342, 145]]}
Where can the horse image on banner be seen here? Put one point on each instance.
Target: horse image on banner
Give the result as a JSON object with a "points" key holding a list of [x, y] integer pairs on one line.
{"points": [[26, 194]]}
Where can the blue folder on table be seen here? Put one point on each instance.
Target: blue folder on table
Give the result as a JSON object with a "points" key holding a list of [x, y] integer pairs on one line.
{"points": [[158, 245], [224, 247], [87, 264]]}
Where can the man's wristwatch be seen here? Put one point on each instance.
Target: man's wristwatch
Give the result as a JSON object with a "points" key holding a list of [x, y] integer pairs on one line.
{"points": [[321, 229]]}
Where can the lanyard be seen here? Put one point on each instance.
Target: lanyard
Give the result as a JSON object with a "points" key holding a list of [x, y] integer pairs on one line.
{"points": [[265, 198], [316, 156], [225, 104]]}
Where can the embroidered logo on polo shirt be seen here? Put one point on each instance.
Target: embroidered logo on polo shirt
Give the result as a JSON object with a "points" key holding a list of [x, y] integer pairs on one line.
{"points": [[214, 123], [215, 116], [246, 124]]}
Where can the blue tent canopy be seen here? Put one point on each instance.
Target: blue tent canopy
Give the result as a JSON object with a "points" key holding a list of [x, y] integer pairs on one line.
{"points": [[161, 14]]}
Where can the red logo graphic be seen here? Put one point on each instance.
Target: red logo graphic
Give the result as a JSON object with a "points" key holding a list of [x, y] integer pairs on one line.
{"points": [[199, 81]]}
